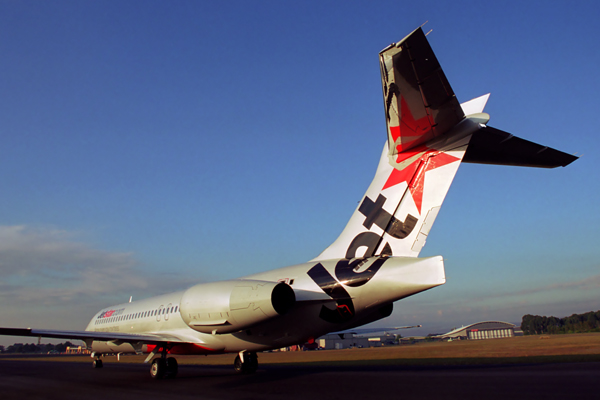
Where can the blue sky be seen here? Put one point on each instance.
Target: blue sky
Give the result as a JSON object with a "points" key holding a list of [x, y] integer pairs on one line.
{"points": [[150, 145]]}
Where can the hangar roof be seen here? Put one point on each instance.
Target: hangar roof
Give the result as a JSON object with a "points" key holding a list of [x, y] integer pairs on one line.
{"points": [[486, 325]]}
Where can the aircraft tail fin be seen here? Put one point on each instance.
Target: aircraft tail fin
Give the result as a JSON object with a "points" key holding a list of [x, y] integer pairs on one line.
{"points": [[418, 161], [428, 134]]}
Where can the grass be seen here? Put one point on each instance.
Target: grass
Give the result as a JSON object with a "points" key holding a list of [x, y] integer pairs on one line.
{"points": [[517, 350]]}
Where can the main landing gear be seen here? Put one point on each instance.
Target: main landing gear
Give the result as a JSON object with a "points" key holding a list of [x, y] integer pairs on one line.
{"points": [[246, 363], [163, 366], [97, 363]]}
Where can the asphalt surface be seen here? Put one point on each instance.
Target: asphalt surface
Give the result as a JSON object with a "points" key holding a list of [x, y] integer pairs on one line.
{"points": [[69, 380]]}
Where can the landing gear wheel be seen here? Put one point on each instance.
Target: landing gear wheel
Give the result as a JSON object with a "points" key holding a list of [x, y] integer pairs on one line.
{"points": [[252, 361], [158, 369], [97, 363], [172, 367], [237, 365], [249, 366]]}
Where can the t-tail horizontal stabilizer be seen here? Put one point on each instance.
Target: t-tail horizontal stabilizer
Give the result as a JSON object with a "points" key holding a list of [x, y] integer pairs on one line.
{"points": [[428, 136], [493, 146]]}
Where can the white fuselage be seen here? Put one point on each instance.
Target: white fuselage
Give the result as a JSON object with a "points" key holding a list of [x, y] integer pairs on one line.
{"points": [[329, 296]]}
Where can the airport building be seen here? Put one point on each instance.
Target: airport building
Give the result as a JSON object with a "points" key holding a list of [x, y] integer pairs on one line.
{"points": [[77, 350], [477, 331], [481, 330], [340, 341]]}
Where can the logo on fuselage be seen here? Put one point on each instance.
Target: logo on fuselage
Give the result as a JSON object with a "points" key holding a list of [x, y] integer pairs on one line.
{"points": [[346, 269], [110, 313]]}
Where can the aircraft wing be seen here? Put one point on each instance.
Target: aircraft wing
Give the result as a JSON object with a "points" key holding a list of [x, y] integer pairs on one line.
{"points": [[373, 330], [147, 338]]}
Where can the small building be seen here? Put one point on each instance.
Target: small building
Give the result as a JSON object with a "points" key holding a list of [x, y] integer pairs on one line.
{"points": [[413, 339], [340, 341], [77, 350], [481, 330]]}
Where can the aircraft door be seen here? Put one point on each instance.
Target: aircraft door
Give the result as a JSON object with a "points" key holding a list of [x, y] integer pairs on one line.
{"points": [[167, 311]]}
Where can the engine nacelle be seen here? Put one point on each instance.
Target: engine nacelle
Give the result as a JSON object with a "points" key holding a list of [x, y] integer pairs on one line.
{"points": [[230, 306]]}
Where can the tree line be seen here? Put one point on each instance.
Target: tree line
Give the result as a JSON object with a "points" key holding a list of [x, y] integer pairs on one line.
{"points": [[576, 323], [35, 348]]}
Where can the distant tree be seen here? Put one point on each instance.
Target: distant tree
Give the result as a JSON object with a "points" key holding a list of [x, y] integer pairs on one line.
{"points": [[14, 348], [553, 325], [576, 323], [34, 348], [591, 321], [527, 325], [31, 348], [538, 324], [62, 347]]}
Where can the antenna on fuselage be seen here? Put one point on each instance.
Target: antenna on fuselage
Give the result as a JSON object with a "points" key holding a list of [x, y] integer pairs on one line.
{"points": [[130, 297]]}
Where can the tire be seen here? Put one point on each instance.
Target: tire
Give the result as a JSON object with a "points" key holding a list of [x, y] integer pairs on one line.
{"points": [[158, 368], [252, 361], [249, 366], [172, 367], [238, 366], [97, 363]]}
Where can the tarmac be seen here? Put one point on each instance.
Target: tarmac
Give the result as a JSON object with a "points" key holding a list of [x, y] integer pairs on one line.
{"points": [[32, 379]]}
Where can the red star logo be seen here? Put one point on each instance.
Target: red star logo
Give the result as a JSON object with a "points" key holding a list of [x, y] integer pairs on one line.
{"points": [[414, 173], [412, 131]]}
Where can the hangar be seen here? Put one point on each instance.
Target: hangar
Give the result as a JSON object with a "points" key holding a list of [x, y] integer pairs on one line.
{"points": [[349, 340], [482, 330]]}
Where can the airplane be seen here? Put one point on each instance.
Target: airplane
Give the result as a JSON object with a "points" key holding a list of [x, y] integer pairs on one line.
{"points": [[372, 264]]}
